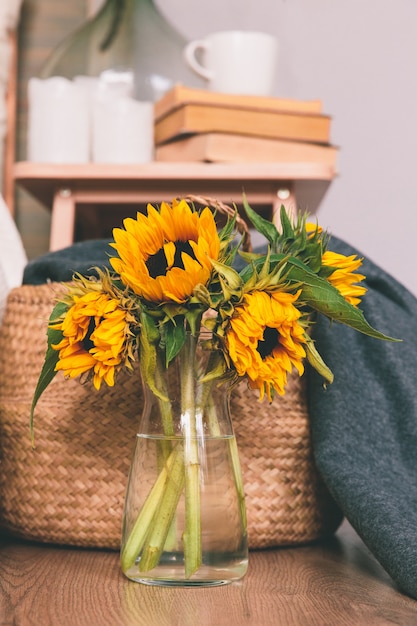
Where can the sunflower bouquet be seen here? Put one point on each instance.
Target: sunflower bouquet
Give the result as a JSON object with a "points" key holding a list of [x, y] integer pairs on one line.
{"points": [[176, 274]]}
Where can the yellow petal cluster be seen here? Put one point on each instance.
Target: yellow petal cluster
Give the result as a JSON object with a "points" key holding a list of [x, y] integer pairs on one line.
{"points": [[265, 340], [94, 337], [163, 255], [344, 277]]}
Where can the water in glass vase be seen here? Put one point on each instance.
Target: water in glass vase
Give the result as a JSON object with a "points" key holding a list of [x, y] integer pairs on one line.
{"points": [[172, 495]]}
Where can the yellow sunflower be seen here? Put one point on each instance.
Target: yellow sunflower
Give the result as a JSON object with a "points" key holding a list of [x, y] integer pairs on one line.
{"points": [[265, 340], [166, 253], [344, 278], [95, 338]]}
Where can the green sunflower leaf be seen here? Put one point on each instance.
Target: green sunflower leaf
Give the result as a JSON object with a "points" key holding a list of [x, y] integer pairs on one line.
{"points": [[316, 361], [263, 226], [148, 340], [257, 263], [318, 293], [216, 370], [48, 371], [230, 275], [149, 328], [226, 232], [174, 340], [287, 228]]}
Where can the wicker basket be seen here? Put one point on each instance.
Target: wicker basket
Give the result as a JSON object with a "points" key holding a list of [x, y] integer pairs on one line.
{"points": [[70, 488]]}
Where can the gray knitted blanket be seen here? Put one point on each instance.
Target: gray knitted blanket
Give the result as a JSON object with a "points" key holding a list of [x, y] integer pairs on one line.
{"points": [[364, 425]]}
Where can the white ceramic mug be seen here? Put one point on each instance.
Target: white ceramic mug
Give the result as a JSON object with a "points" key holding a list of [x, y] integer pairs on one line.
{"points": [[240, 62]]}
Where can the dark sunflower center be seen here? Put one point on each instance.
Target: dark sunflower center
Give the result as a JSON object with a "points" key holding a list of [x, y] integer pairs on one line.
{"points": [[157, 263], [269, 342], [87, 343]]}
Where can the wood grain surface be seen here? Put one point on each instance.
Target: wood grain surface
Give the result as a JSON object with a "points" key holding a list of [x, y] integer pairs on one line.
{"points": [[336, 583]]}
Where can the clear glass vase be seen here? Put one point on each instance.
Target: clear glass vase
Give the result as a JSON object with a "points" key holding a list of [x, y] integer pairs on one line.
{"points": [[184, 518], [125, 35]]}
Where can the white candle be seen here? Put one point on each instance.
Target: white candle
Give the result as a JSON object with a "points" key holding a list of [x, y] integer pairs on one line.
{"points": [[58, 121], [122, 130]]}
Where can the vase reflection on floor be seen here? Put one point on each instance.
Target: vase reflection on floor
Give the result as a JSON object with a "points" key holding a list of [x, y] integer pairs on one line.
{"points": [[184, 517]]}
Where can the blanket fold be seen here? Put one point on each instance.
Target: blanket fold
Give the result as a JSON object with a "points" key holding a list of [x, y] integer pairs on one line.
{"points": [[364, 425]]}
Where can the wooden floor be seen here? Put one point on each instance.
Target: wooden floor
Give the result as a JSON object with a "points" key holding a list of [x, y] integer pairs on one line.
{"points": [[333, 584]]}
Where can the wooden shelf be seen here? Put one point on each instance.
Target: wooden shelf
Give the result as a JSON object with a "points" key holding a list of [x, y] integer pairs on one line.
{"points": [[64, 188]]}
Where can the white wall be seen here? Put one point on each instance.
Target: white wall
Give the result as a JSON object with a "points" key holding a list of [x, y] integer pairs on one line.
{"points": [[360, 58]]}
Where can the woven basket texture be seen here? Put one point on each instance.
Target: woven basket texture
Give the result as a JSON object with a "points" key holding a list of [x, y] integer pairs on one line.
{"points": [[70, 488]]}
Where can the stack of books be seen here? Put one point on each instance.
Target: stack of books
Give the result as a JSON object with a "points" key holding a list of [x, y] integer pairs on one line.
{"points": [[198, 125]]}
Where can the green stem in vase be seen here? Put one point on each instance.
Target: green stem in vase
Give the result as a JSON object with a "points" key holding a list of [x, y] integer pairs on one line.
{"points": [[211, 411], [206, 401], [165, 408], [163, 515], [234, 453], [192, 534], [164, 404], [152, 507], [214, 430], [165, 447]]}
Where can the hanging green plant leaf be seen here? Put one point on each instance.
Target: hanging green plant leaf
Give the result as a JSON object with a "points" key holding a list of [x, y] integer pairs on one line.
{"points": [[48, 371], [263, 226]]}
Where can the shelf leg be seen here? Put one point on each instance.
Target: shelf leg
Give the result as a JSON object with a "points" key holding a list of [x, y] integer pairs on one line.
{"points": [[62, 220]]}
